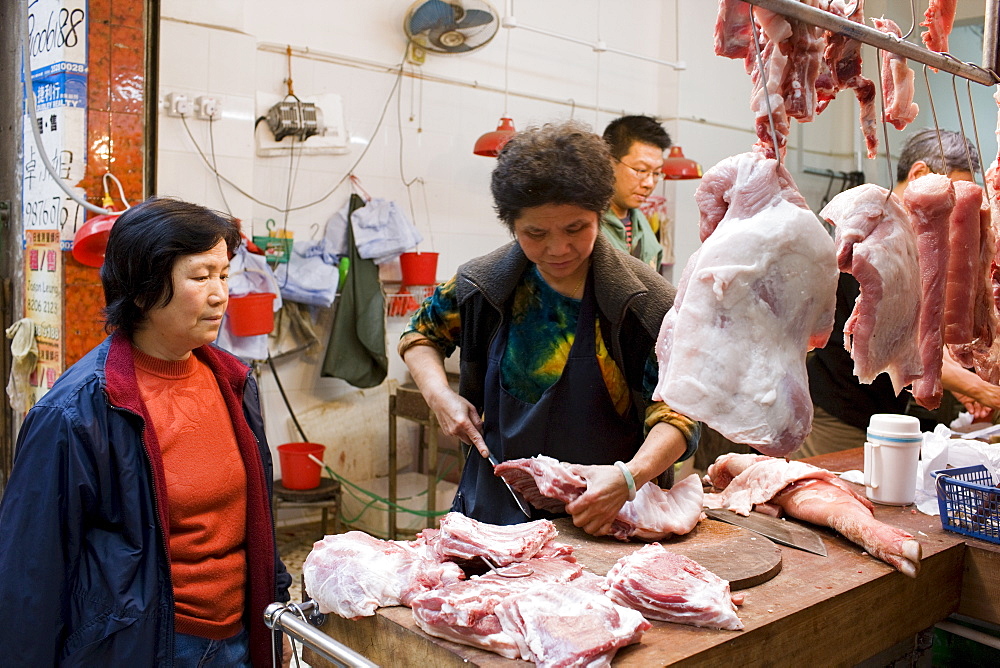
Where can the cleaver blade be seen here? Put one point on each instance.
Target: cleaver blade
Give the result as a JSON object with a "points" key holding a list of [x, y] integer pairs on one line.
{"points": [[521, 503], [780, 531]]}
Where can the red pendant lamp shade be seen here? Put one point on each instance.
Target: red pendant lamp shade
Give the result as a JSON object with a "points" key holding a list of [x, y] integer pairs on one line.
{"points": [[490, 143], [676, 166]]}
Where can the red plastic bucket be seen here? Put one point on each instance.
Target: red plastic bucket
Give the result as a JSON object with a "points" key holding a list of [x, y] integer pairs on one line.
{"points": [[251, 314], [419, 268], [298, 471]]}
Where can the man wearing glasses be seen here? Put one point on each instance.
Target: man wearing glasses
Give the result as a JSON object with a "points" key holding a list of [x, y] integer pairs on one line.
{"points": [[637, 144]]}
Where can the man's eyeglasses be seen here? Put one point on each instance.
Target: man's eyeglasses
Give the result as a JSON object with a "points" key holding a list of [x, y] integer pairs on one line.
{"points": [[643, 174]]}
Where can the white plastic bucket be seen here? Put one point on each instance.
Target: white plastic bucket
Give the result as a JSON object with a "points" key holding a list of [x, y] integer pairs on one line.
{"points": [[891, 454]]}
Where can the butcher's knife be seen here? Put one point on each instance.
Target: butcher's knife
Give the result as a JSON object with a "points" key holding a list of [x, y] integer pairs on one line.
{"points": [[521, 503], [780, 531]]}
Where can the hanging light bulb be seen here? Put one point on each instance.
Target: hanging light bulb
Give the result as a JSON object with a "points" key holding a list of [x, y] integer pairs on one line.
{"points": [[677, 167], [490, 143]]}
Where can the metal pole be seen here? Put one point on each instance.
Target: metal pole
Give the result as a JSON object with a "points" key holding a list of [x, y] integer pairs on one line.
{"points": [[277, 619], [862, 33], [991, 33]]}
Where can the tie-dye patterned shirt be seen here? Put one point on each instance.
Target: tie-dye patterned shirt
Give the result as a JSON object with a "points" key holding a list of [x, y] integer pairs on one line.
{"points": [[542, 331]]}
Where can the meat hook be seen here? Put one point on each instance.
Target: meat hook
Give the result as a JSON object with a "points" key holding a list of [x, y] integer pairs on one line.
{"points": [[930, 98], [885, 126], [496, 569], [961, 125], [913, 18], [763, 79], [975, 129]]}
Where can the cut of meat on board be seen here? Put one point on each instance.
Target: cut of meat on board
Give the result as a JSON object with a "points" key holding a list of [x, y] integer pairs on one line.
{"points": [[930, 200], [877, 245], [670, 587], [814, 495], [939, 20], [352, 574], [569, 626], [465, 539], [654, 514], [758, 294], [897, 81]]}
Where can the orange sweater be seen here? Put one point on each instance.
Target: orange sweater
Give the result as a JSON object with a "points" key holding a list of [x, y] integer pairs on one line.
{"points": [[206, 486]]}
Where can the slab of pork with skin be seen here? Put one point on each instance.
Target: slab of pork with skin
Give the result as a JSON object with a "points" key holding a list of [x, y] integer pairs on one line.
{"points": [[654, 514], [929, 201], [877, 245], [757, 295], [811, 494]]}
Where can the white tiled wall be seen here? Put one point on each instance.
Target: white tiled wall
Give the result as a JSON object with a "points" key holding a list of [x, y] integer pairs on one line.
{"points": [[427, 133]]}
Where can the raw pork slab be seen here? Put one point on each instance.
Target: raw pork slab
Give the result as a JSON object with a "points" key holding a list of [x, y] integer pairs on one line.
{"points": [[464, 612], [463, 538], [672, 588], [569, 626], [352, 574], [756, 296], [813, 495], [654, 514], [877, 245]]}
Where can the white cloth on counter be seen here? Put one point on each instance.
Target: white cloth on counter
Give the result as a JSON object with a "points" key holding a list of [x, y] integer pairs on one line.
{"points": [[24, 351], [939, 451], [248, 272], [381, 231], [310, 276]]}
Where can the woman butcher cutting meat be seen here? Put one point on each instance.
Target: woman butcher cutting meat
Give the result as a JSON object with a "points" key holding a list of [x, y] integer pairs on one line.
{"points": [[557, 331]]}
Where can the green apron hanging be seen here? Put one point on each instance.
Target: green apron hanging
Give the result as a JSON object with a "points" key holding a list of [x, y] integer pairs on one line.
{"points": [[356, 352]]}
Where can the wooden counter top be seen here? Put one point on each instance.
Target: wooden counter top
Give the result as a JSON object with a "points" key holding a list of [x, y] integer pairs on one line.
{"points": [[843, 608]]}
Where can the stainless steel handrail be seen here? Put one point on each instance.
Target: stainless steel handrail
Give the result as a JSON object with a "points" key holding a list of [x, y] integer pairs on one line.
{"points": [[277, 617]]}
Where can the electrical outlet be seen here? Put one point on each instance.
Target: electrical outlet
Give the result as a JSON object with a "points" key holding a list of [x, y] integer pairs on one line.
{"points": [[207, 107], [178, 104]]}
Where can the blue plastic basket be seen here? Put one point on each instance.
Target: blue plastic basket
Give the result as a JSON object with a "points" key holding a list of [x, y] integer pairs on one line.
{"points": [[969, 502]]}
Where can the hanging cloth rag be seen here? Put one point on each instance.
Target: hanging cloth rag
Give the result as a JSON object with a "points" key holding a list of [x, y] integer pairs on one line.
{"points": [[382, 231], [24, 351], [356, 352], [310, 276]]}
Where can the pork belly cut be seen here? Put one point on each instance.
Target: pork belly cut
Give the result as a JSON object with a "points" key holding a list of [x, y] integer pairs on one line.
{"points": [[813, 495], [463, 538], [939, 20], [654, 514], [961, 284], [464, 612], [897, 81], [979, 352], [876, 244], [670, 587], [930, 200], [756, 297], [352, 574], [569, 626]]}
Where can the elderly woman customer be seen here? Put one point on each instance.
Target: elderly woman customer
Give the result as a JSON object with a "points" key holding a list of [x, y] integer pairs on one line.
{"points": [[136, 527], [557, 331]]}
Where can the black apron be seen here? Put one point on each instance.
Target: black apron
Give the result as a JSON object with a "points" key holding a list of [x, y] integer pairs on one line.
{"points": [[574, 421]]}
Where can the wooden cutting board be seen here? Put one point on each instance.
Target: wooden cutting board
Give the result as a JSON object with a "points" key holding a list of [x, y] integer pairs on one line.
{"points": [[742, 557]]}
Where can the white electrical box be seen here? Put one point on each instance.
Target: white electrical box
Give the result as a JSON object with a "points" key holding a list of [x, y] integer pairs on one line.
{"points": [[331, 140]]}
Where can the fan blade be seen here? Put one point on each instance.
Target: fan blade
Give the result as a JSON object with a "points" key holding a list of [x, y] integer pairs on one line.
{"points": [[474, 18], [431, 14]]}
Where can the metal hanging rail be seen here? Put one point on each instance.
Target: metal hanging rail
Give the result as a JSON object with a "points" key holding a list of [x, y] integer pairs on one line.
{"points": [[862, 33]]}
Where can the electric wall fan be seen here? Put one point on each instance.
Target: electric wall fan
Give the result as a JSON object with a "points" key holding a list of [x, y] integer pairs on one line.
{"points": [[437, 26]]}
